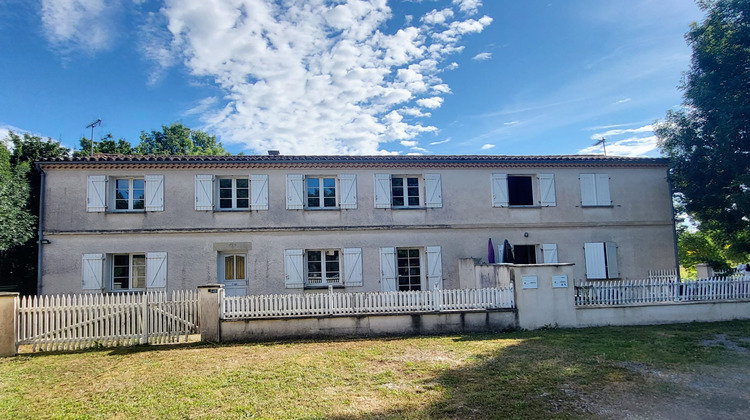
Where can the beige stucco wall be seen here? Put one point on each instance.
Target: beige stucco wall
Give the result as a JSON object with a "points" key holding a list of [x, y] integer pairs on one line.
{"points": [[639, 221], [664, 313]]}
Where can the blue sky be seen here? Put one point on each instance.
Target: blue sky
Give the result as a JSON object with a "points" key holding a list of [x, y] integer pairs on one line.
{"points": [[349, 77]]}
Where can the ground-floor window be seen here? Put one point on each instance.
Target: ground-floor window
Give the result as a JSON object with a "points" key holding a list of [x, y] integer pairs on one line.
{"points": [[601, 260], [323, 267], [409, 269], [128, 271], [234, 267]]}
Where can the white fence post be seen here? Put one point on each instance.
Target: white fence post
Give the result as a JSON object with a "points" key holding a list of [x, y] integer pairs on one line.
{"points": [[210, 308]]}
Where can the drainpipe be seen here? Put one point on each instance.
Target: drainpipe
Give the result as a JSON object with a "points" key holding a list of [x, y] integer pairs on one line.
{"points": [[40, 241], [674, 226]]}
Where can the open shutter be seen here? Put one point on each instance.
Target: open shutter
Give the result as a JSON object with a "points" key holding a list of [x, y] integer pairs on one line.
{"points": [[595, 263], [434, 267], [613, 270], [388, 269], [156, 270], [433, 190], [348, 188], [602, 190], [549, 253], [547, 190], [353, 267], [295, 192], [204, 192], [382, 191], [96, 188], [499, 190], [588, 190], [93, 271], [259, 192], [293, 268], [154, 192]]}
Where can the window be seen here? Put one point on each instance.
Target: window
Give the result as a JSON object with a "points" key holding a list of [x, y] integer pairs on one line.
{"points": [[234, 193], [128, 272], [523, 190], [320, 192], [323, 267], [409, 269], [524, 254], [130, 194], [408, 191], [234, 267], [595, 190], [601, 260]]}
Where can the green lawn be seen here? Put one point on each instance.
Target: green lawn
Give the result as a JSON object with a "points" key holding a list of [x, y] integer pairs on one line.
{"points": [[538, 374]]}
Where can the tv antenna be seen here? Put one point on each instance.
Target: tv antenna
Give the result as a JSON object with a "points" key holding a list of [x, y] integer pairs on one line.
{"points": [[603, 142], [92, 125]]}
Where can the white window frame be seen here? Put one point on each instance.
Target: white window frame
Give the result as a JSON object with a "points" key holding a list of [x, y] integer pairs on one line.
{"points": [[324, 281], [430, 263], [114, 189], [130, 266], [406, 196], [296, 268], [321, 192], [234, 198]]}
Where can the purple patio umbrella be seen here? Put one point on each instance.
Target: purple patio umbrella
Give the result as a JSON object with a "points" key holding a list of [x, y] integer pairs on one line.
{"points": [[490, 252]]}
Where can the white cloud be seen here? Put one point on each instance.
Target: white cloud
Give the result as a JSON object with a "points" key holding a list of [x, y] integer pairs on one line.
{"points": [[482, 56], [511, 122], [80, 25], [468, 6], [622, 101], [314, 77], [435, 143], [409, 143], [631, 147], [617, 132], [487, 146], [203, 106], [452, 66]]}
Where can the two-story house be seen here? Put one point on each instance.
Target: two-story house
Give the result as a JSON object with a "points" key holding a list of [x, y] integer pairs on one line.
{"points": [[292, 224]]}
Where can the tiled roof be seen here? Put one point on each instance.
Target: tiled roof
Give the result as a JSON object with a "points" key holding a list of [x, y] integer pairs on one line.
{"points": [[355, 161]]}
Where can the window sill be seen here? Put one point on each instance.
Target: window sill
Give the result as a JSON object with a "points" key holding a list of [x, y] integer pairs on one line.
{"points": [[408, 208], [322, 208], [127, 211], [232, 211], [523, 206], [595, 206], [323, 286]]}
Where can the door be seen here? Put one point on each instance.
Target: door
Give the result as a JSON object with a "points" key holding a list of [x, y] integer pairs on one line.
{"points": [[233, 274]]}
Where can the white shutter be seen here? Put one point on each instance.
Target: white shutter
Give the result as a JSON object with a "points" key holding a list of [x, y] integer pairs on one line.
{"points": [[547, 190], [92, 271], [613, 270], [388, 269], [259, 192], [433, 190], [382, 191], [588, 190], [96, 188], [156, 270], [353, 267], [204, 192], [596, 267], [602, 190], [295, 192], [499, 190], [348, 191], [294, 268], [434, 267], [549, 253], [154, 192]]}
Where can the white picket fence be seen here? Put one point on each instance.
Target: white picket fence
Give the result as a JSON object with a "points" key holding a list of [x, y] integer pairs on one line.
{"points": [[654, 291], [69, 322], [362, 303]]}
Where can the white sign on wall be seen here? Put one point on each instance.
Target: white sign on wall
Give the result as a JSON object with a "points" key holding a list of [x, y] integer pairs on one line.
{"points": [[529, 282], [559, 281]]}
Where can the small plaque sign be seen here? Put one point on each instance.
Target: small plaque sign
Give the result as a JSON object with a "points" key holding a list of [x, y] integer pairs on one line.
{"points": [[529, 282], [559, 281]]}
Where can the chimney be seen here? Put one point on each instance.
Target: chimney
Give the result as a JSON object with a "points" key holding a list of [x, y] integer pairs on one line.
{"points": [[273, 153]]}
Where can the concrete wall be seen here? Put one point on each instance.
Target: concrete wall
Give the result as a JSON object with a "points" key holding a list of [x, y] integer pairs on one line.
{"points": [[639, 221], [662, 314]]}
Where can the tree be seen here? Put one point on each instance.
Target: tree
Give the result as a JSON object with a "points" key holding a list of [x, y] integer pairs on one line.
{"points": [[177, 139], [107, 145], [16, 221], [699, 247], [708, 140]]}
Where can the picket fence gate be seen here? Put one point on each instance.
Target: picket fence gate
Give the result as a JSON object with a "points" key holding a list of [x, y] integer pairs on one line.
{"points": [[364, 303], [70, 322]]}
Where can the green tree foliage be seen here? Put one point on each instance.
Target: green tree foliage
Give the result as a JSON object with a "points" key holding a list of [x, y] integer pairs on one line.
{"points": [[177, 139], [107, 145], [16, 222], [708, 140], [699, 247]]}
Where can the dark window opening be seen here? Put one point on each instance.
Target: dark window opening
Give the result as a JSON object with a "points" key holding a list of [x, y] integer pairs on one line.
{"points": [[519, 191], [524, 254]]}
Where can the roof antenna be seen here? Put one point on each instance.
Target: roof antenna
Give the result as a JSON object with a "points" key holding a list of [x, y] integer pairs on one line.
{"points": [[603, 142], [92, 125]]}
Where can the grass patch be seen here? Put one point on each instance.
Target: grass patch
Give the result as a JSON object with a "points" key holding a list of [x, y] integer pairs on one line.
{"points": [[538, 374]]}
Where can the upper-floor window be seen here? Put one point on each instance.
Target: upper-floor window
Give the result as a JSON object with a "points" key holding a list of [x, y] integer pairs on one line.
{"points": [[321, 191], [408, 191], [234, 193], [130, 193], [124, 193], [519, 190], [595, 190], [227, 193]]}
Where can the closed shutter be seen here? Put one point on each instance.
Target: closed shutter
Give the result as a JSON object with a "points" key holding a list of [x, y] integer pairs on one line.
{"points": [[388, 269], [156, 270], [204, 192], [602, 190], [348, 188], [549, 253], [295, 192], [434, 267], [294, 268], [382, 191], [154, 192], [499, 190], [588, 190], [93, 271], [96, 188], [596, 266], [353, 267], [547, 190], [259, 192], [613, 270], [433, 190]]}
